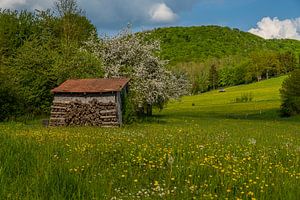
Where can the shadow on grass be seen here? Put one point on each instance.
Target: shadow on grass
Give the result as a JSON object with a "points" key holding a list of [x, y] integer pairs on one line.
{"points": [[184, 116], [154, 119], [264, 115]]}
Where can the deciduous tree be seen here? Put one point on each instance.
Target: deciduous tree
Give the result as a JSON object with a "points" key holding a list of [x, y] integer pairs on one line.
{"points": [[290, 94], [213, 77], [130, 55]]}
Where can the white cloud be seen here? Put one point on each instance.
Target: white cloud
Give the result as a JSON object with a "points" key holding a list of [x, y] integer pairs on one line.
{"points": [[26, 4], [115, 14], [274, 28], [11, 3], [162, 13]]}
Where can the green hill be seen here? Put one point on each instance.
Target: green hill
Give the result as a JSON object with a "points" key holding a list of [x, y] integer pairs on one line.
{"points": [[239, 57], [186, 44], [213, 105]]}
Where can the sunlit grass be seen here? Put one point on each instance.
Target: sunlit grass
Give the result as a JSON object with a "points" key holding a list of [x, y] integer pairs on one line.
{"points": [[204, 147]]}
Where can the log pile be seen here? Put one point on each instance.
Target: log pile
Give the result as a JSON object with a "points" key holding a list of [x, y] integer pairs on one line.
{"points": [[58, 112], [76, 113]]}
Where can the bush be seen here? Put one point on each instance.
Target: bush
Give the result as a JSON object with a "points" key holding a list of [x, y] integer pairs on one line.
{"points": [[245, 97], [290, 95], [128, 110], [10, 102], [200, 83]]}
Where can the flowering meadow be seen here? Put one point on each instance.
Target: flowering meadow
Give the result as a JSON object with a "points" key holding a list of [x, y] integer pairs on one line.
{"points": [[203, 147]]}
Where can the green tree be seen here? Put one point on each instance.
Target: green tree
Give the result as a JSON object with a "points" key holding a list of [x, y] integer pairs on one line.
{"points": [[77, 63], [240, 72], [11, 102], [213, 77], [290, 94], [74, 30], [33, 70], [15, 28], [38, 51], [40, 65], [199, 83], [288, 61], [8, 32], [263, 65], [74, 26], [226, 76]]}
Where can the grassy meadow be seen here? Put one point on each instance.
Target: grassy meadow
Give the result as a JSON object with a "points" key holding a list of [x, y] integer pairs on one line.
{"points": [[203, 147]]}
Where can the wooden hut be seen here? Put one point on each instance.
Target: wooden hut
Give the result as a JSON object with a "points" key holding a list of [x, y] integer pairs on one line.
{"points": [[94, 102]]}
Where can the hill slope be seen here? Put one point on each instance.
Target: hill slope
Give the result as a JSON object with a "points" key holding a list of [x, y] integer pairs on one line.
{"points": [[186, 44], [221, 105]]}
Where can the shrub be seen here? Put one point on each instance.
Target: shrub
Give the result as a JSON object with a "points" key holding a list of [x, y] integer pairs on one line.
{"points": [[10, 102], [128, 110], [290, 95], [245, 97]]}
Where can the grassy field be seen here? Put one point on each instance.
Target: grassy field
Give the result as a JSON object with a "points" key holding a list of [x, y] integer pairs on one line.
{"points": [[203, 147]]}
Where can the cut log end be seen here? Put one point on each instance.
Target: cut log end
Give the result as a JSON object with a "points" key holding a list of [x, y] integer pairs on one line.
{"points": [[77, 113]]}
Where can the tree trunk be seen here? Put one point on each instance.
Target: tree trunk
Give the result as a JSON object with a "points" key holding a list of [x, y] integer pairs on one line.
{"points": [[141, 111], [149, 110], [258, 78]]}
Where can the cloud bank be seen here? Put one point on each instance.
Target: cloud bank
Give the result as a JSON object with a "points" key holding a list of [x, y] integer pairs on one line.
{"points": [[114, 14], [269, 28], [11, 3], [26, 4], [162, 13]]}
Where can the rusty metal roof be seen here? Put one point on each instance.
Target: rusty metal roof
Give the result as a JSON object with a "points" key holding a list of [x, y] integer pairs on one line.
{"points": [[91, 85]]}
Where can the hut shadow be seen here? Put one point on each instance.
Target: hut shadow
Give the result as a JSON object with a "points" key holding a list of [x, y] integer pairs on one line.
{"points": [[265, 115], [154, 119]]}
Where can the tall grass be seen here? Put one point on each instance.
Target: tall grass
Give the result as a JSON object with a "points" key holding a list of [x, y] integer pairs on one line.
{"points": [[245, 97], [213, 150]]}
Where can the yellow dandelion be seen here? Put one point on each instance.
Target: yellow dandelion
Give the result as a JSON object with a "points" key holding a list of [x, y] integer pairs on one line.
{"points": [[250, 193]]}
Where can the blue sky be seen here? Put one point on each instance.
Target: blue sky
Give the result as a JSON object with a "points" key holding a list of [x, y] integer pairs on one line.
{"points": [[267, 18], [242, 14]]}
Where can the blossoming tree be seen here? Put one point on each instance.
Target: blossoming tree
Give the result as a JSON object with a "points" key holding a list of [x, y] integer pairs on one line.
{"points": [[133, 56]]}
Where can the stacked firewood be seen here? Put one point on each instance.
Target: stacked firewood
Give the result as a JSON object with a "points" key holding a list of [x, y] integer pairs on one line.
{"points": [[94, 113], [58, 112]]}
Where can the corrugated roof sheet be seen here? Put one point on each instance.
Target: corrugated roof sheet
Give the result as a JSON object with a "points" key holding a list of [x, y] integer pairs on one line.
{"points": [[91, 85]]}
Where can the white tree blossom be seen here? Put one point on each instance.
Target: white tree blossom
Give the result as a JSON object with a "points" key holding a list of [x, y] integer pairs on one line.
{"points": [[131, 55]]}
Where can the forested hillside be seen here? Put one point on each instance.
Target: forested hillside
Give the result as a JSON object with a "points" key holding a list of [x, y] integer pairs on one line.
{"points": [[199, 43], [214, 56]]}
